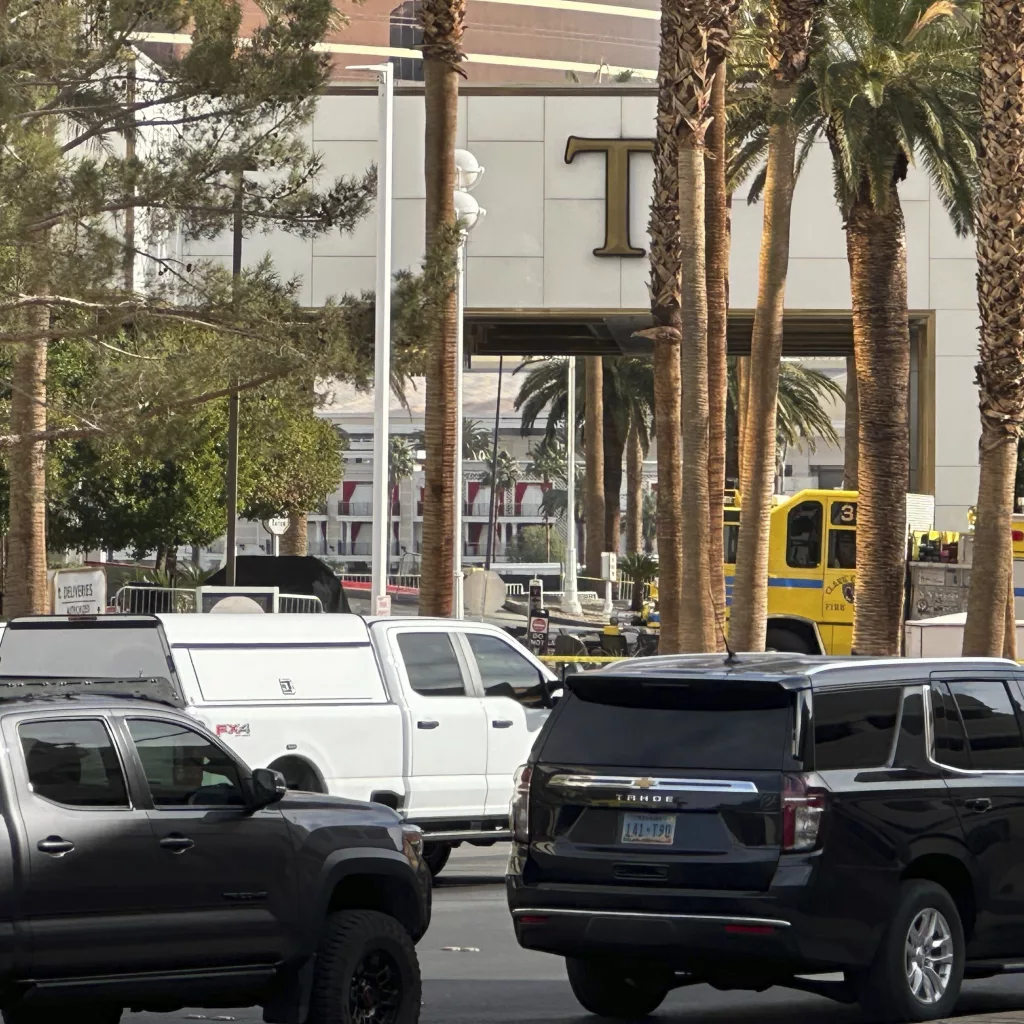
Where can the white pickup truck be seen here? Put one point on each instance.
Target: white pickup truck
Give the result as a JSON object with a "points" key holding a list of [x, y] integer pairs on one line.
{"points": [[429, 716]]}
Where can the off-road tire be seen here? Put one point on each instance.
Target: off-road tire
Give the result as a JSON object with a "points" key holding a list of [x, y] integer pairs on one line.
{"points": [[604, 989], [349, 937], [883, 990], [435, 856]]}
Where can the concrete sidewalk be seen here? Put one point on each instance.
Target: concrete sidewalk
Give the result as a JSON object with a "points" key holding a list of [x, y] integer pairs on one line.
{"points": [[1015, 1017]]}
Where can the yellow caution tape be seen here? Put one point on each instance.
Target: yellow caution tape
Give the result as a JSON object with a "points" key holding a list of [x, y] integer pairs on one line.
{"points": [[561, 658]]}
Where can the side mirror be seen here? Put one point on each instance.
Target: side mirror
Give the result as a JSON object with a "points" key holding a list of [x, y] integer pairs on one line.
{"points": [[268, 786]]}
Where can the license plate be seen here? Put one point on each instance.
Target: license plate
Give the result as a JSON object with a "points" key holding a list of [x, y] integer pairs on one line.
{"points": [[651, 829]]}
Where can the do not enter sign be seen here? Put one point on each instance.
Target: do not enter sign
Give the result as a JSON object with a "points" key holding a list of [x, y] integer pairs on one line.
{"points": [[538, 624], [537, 632]]}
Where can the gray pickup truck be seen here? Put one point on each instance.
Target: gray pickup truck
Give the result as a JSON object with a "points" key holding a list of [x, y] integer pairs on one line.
{"points": [[146, 867]]}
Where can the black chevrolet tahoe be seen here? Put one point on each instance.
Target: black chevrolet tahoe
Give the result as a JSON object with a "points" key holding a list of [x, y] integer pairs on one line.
{"points": [[144, 866], [751, 821]]}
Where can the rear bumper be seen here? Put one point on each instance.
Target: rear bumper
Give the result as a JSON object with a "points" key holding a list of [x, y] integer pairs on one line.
{"points": [[706, 932]]}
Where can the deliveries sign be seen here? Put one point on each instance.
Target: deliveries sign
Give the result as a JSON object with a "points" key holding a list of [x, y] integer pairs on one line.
{"points": [[79, 592]]}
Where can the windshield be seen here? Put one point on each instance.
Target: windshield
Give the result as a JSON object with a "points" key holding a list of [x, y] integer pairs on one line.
{"points": [[62, 650], [664, 725]]}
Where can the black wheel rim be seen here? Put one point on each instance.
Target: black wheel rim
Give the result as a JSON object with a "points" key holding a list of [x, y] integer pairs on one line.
{"points": [[375, 995]]}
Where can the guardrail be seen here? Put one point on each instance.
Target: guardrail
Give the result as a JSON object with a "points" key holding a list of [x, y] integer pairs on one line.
{"points": [[138, 599]]}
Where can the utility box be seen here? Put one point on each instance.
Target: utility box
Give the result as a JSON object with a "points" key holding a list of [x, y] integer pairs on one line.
{"points": [[609, 566]]}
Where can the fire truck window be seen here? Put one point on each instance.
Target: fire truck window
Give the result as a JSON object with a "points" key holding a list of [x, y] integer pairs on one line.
{"points": [[730, 540], [842, 549], [803, 535]]}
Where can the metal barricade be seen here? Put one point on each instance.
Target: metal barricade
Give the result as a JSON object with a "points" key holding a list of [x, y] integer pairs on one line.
{"points": [[290, 604], [145, 599]]}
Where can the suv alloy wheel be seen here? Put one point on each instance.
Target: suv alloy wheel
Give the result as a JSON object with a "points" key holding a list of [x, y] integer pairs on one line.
{"points": [[917, 972]]}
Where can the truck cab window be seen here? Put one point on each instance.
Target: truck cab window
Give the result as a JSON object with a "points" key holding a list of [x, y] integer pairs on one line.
{"points": [[184, 768], [505, 673], [431, 664], [803, 535], [842, 549], [73, 762]]}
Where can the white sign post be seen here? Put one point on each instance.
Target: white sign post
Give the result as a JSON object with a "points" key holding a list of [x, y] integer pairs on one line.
{"points": [[79, 592], [277, 528], [609, 571]]}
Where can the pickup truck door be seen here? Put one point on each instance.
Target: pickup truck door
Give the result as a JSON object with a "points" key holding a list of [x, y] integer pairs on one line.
{"points": [[445, 727], [224, 878], [515, 699], [88, 886]]}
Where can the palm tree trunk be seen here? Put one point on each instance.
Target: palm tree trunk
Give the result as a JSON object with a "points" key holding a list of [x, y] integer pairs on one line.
{"points": [[442, 52], [877, 251], [634, 492], [1000, 235], [295, 540], [698, 632], [594, 440], [1010, 636], [665, 271], [716, 216], [742, 409], [851, 440], [749, 622], [27, 593], [614, 449], [985, 631]]}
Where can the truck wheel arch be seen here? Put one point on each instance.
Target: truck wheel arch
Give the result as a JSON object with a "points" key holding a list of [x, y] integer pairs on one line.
{"points": [[794, 633], [300, 773], [368, 880]]}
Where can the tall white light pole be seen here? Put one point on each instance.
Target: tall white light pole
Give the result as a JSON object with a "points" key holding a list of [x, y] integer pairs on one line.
{"points": [[381, 549], [468, 213], [570, 598]]}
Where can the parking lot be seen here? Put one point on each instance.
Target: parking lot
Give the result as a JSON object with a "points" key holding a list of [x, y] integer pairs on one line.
{"points": [[475, 973]]}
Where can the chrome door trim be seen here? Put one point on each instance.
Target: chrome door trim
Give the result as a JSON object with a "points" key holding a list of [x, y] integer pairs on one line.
{"points": [[767, 922]]}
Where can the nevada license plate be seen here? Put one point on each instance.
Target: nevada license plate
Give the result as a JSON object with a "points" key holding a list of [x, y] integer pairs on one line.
{"points": [[653, 829]]}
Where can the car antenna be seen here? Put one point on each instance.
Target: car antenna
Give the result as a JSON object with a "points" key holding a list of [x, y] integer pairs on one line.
{"points": [[730, 658]]}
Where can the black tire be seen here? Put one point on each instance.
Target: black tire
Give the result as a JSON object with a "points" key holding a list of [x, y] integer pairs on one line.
{"points": [[85, 1013], [785, 640], [885, 990], [366, 972], [604, 989], [436, 856]]}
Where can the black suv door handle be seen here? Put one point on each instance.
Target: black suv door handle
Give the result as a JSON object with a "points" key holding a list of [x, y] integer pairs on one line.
{"points": [[427, 725], [502, 723], [55, 846], [979, 804], [177, 843]]}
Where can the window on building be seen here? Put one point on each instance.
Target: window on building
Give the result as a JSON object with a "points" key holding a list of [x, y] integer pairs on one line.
{"points": [[804, 535], [431, 664], [854, 728], [73, 762], [407, 34], [830, 478]]}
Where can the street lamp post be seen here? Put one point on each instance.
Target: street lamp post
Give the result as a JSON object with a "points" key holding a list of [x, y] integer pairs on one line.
{"points": [[381, 548], [468, 213], [570, 597]]}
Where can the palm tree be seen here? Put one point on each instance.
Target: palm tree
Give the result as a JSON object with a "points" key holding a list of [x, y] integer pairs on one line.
{"points": [[694, 39], [401, 466], [1000, 271], [641, 569], [442, 53], [627, 399], [893, 80], [502, 476], [548, 461], [787, 49], [477, 441], [634, 490]]}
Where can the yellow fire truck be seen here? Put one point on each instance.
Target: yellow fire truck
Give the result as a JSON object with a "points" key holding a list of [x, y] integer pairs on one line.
{"points": [[812, 566]]}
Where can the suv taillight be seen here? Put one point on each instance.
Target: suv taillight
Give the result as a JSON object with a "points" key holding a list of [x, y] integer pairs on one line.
{"points": [[519, 809], [803, 805]]}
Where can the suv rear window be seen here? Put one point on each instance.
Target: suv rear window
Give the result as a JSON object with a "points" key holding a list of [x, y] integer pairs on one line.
{"points": [[854, 728], [652, 725]]}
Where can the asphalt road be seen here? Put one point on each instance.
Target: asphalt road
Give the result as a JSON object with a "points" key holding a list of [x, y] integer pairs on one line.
{"points": [[475, 973]]}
